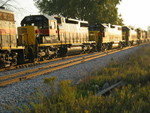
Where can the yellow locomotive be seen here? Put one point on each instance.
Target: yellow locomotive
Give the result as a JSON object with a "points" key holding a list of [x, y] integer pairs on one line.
{"points": [[48, 36], [107, 36], [8, 39]]}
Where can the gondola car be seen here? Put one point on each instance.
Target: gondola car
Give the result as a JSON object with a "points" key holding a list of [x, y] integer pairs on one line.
{"points": [[47, 36], [8, 42]]}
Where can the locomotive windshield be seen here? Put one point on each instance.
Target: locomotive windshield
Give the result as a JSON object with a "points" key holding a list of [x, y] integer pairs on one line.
{"points": [[39, 21], [96, 27]]}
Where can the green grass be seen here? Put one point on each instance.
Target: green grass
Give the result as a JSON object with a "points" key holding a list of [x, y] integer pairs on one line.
{"points": [[132, 98]]}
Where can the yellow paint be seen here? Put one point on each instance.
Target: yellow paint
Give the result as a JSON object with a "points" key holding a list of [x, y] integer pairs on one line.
{"points": [[7, 34], [18, 47], [52, 44], [93, 35], [27, 34]]}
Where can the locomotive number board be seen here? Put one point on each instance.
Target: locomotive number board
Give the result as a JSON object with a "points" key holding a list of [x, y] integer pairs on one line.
{"points": [[6, 16]]}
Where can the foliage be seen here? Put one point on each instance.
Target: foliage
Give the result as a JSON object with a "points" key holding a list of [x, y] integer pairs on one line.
{"points": [[94, 11]]}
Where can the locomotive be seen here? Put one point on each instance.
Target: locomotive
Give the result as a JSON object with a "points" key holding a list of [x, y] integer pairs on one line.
{"points": [[46, 36], [107, 36], [43, 37], [8, 42]]}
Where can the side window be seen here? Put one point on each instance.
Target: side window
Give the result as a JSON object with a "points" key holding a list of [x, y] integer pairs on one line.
{"points": [[52, 26], [55, 25]]}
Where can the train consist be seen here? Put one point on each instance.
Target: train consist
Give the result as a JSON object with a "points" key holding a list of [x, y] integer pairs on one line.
{"points": [[109, 36], [43, 37]]}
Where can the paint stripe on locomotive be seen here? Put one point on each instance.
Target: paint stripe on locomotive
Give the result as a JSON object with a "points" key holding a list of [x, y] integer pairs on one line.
{"points": [[4, 31], [18, 47]]}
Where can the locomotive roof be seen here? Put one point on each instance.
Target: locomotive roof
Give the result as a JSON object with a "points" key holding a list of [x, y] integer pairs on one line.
{"points": [[49, 17], [6, 15], [76, 20], [6, 11], [53, 18], [46, 16]]}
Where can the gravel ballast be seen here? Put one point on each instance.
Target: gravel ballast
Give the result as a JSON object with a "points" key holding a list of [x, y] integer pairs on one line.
{"points": [[16, 94]]}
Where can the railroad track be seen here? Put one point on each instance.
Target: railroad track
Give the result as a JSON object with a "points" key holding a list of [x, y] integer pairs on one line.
{"points": [[37, 63], [30, 73], [40, 62]]}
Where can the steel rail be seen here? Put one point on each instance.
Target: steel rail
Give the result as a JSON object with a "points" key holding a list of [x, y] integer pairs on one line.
{"points": [[47, 66]]}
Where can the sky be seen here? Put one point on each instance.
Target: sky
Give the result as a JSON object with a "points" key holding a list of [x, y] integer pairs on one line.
{"points": [[22, 8], [134, 12]]}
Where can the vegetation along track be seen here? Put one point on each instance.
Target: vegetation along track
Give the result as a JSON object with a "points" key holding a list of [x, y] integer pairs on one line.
{"points": [[30, 73]]}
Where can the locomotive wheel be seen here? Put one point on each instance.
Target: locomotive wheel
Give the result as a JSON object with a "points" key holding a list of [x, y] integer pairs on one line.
{"points": [[104, 47], [42, 59], [130, 44], [14, 62], [120, 45], [35, 60]]}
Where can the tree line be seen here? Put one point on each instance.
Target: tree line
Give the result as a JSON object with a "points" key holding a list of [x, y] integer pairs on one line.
{"points": [[94, 11]]}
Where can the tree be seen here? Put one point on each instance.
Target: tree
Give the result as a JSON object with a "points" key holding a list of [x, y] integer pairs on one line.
{"points": [[4, 3], [94, 11], [9, 4]]}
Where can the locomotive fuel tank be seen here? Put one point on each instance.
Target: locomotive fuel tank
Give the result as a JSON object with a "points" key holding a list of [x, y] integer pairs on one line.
{"points": [[74, 50]]}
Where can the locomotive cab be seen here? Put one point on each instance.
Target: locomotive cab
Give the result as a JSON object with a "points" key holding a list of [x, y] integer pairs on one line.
{"points": [[96, 33], [36, 33], [46, 31], [129, 35]]}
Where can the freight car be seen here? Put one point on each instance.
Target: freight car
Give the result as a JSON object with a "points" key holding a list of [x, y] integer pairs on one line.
{"points": [[47, 36], [8, 42]]}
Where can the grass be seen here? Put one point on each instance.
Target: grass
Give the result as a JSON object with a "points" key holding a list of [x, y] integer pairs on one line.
{"points": [[134, 97]]}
